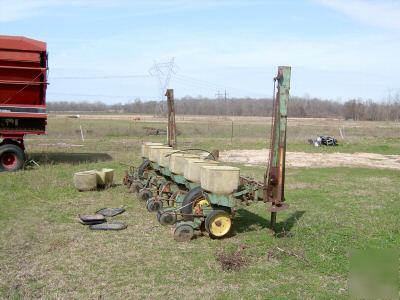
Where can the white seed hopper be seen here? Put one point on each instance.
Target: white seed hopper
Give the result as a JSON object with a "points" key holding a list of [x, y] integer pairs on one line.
{"points": [[145, 148], [105, 177], [164, 156], [85, 181], [219, 179], [177, 162], [154, 152], [192, 168]]}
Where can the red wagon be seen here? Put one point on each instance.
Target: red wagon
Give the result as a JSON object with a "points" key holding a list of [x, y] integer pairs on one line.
{"points": [[23, 83]]}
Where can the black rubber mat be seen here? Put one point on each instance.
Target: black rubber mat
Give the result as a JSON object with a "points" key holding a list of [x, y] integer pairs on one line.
{"points": [[92, 219], [109, 226], [91, 222], [110, 212]]}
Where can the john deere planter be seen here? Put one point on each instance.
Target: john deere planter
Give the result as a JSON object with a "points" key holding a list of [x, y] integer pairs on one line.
{"points": [[194, 194]]}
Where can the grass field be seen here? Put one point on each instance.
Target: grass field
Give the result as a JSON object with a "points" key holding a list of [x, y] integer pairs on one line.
{"points": [[46, 253]]}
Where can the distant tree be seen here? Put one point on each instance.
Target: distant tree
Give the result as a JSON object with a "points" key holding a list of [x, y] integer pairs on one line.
{"points": [[355, 109]]}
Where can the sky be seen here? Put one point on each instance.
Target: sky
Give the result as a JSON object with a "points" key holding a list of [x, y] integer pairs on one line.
{"points": [[107, 50]]}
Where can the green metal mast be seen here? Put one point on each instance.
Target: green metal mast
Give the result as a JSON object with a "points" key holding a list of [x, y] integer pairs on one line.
{"points": [[274, 180]]}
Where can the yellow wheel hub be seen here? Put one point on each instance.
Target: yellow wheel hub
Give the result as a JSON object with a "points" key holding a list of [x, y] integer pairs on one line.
{"points": [[202, 203], [198, 206], [220, 224]]}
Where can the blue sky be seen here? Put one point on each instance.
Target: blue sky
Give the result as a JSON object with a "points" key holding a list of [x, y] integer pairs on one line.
{"points": [[338, 49]]}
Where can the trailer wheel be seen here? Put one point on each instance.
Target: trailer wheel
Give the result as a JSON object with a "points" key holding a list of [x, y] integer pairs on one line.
{"points": [[193, 203], [12, 158], [218, 223]]}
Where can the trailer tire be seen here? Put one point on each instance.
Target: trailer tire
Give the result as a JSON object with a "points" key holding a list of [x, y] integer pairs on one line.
{"points": [[194, 196], [12, 158]]}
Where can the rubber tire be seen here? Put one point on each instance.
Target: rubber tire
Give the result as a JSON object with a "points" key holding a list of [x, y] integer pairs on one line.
{"points": [[19, 153], [207, 223], [145, 164], [166, 217], [183, 233], [153, 205], [190, 197]]}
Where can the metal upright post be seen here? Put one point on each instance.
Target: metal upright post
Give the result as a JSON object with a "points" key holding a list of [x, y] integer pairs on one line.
{"points": [[274, 180], [171, 119]]}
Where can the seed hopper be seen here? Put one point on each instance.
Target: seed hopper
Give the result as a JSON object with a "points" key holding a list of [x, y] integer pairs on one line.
{"points": [[193, 193]]}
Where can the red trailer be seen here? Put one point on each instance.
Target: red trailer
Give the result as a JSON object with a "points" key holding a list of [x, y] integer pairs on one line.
{"points": [[23, 83]]}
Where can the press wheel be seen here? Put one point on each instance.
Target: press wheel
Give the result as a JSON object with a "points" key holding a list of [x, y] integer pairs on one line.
{"points": [[218, 223], [153, 205], [167, 217], [183, 233]]}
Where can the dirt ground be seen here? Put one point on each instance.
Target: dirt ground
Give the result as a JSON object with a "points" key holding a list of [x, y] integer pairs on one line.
{"points": [[302, 159], [319, 124]]}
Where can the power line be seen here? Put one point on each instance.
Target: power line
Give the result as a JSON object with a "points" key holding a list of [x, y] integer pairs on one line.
{"points": [[200, 81], [193, 84], [217, 85], [102, 77], [93, 95]]}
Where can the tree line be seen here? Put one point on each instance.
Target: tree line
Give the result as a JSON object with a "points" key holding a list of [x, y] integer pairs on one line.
{"points": [[356, 109]]}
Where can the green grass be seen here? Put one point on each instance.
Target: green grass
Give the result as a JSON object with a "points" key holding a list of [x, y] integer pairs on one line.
{"points": [[46, 253]]}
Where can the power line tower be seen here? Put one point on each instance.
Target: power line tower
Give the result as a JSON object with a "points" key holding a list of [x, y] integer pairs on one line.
{"points": [[220, 95], [163, 72], [223, 96]]}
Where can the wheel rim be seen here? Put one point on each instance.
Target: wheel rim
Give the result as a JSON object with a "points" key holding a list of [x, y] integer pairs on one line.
{"points": [[220, 225], [199, 204], [9, 160]]}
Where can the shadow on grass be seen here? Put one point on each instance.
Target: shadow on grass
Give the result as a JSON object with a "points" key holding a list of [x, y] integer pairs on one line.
{"points": [[246, 221], [282, 229], [72, 158]]}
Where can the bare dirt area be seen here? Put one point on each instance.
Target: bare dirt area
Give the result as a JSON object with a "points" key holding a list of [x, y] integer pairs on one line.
{"points": [[200, 119], [320, 160]]}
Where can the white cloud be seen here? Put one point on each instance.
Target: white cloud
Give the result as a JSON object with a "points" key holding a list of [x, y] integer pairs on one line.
{"points": [[383, 13]]}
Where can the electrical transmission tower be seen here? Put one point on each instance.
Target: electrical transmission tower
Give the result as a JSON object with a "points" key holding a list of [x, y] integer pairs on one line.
{"points": [[223, 96], [163, 72]]}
